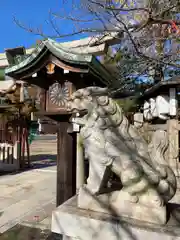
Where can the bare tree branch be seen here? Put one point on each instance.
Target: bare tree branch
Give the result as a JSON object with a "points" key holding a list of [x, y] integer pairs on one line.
{"points": [[153, 28]]}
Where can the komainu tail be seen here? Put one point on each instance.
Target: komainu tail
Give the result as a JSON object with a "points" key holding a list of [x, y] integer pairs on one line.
{"points": [[157, 150]]}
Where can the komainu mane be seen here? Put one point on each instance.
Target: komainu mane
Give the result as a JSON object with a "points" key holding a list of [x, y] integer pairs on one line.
{"points": [[111, 142]]}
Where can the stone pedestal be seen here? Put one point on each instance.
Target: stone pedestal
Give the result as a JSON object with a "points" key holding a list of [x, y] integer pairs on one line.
{"points": [[116, 203], [75, 223]]}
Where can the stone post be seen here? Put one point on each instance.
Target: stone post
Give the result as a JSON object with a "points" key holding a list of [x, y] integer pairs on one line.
{"points": [[173, 153], [172, 102], [22, 92], [79, 164], [173, 133], [138, 120], [80, 168]]}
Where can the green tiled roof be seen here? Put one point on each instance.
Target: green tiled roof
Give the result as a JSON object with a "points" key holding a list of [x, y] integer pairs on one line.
{"points": [[63, 53]]}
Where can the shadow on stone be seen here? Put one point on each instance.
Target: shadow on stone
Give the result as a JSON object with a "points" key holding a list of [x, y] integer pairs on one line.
{"points": [[173, 211]]}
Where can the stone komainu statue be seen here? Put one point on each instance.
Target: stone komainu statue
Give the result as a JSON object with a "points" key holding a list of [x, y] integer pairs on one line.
{"points": [[110, 142]]}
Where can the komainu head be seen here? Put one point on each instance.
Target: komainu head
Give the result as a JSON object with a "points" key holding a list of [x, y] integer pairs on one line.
{"points": [[95, 104], [88, 98]]}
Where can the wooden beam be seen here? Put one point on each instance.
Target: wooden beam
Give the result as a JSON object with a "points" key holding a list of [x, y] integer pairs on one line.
{"points": [[64, 66]]}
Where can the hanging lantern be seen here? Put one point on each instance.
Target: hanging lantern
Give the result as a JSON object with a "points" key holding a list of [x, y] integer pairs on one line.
{"points": [[50, 68]]}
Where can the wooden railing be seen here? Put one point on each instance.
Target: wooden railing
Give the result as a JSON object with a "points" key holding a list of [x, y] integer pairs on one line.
{"points": [[14, 145]]}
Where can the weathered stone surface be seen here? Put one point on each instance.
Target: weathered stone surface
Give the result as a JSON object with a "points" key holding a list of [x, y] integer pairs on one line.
{"points": [[138, 120], [82, 224], [40, 216], [25, 195], [120, 207], [113, 145]]}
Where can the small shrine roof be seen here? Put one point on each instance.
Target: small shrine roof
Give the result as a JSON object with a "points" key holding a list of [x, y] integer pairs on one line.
{"points": [[161, 87], [66, 54]]}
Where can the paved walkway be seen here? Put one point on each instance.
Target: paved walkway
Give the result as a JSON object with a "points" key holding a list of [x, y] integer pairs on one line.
{"points": [[29, 197]]}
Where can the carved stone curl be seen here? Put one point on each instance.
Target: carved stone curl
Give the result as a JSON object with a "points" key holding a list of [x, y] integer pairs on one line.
{"points": [[113, 145]]}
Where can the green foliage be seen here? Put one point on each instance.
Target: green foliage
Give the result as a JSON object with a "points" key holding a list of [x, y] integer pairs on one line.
{"points": [[178, 41], [32, 132], [2, 74]]}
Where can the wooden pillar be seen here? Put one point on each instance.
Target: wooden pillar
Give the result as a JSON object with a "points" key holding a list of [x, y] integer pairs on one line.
{"points": [[66, 162], [18, 144], [27, 147]]}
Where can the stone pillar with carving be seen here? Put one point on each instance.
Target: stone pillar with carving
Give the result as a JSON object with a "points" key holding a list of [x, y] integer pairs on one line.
{"points": [[80, 171], [173, 152], [80, 176]]}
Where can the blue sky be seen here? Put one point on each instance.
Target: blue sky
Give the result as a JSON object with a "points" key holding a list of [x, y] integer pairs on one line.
{"points": [[34, 13]]}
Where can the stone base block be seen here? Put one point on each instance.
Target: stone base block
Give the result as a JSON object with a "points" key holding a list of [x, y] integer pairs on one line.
{"points": [[74, 223], [120, 207]]}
